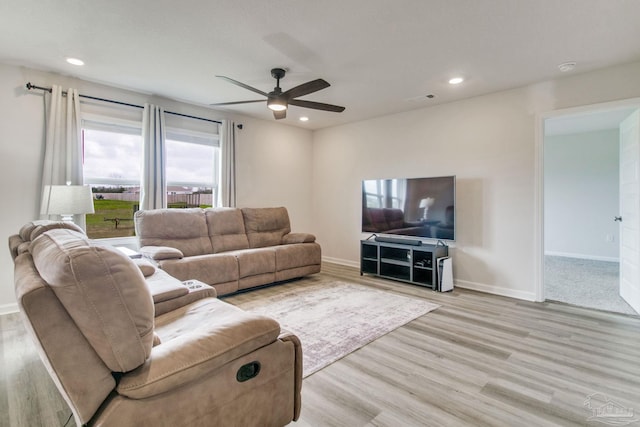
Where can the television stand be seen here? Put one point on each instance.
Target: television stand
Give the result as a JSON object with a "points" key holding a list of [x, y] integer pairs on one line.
{"points": [[407, 263]]}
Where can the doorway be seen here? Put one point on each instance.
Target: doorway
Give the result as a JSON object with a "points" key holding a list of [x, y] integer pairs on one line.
{"points": [[581, 198]]}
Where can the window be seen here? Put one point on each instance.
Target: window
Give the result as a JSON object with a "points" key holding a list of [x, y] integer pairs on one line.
{"points": [[112, 167], [191, 168], [385, 193]]}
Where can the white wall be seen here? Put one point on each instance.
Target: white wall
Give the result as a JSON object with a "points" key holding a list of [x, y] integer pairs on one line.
{"points": [[488, 142], [581, 197], [274, 160]]}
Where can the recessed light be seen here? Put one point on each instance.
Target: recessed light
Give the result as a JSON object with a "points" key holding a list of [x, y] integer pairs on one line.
{"points": [[456, 80], [567, 66], [75, 61], [304, 119]]}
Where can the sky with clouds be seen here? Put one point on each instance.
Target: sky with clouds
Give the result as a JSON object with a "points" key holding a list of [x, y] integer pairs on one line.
{"points": [[119, 156]]}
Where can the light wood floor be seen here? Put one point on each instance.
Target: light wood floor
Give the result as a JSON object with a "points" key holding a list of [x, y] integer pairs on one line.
{"points": [[477, 360]]}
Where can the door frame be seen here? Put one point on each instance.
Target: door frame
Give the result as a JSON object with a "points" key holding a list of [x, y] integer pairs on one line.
{"points": [[539, 176]]}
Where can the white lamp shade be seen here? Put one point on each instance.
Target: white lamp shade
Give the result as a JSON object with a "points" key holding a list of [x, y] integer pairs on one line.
{"points": [[427, 203], [67, 200]]}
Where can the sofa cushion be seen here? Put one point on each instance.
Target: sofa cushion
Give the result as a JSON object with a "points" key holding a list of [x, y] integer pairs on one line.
{"points": [[375, 220], [210, 269], [164, 287], [290, 238], [297, 255], [161, 252], [145, 266], [266, 226], [17, 246], [80, 372], [394, 218], [103, 291], [183, 229], [252, 262], [226, 229], [33, 229], [196, 340]]}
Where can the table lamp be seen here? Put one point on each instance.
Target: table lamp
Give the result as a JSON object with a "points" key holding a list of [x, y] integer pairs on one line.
{"points": [[67, 200], [426, 204]]}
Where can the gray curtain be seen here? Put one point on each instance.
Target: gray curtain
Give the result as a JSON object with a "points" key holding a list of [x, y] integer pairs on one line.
{"points": [[227, 193], [153, 194], [63, 142]]}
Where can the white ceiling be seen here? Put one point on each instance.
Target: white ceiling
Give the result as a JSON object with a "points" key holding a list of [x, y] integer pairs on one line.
{"points": [[380, 56]]}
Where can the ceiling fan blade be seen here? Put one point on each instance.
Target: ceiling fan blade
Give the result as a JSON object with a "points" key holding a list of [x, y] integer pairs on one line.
{"points": [[238, 102], [237, 83], [280, 114], [306, 88], [316, 105]]}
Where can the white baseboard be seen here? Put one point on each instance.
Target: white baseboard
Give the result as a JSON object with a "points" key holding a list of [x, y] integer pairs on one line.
{"points": [[495, 290], [340, 261], [8, 308], [582, 256], [481, 287]]}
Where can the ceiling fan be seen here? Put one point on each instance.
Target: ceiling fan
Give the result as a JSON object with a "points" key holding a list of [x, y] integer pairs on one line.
{"points": [[278, 101]]}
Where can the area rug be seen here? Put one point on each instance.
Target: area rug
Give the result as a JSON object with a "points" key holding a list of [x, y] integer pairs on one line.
{"points": [[336, 318]]}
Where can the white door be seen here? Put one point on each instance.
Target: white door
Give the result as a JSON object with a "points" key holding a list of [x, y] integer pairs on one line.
{"points": [[630, 210]]}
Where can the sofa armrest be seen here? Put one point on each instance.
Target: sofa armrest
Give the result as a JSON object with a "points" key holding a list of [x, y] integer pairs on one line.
{"points": [[291, 238], [161, 252], [163, 287], [17, 245], [196, 291], [286, 336], [196, 353]]}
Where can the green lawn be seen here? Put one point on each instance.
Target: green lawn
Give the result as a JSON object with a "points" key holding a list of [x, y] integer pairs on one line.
{"points": [[103, 223]]}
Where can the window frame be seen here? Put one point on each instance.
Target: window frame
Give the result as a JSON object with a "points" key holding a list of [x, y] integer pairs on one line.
{"points": [[101, 122]]}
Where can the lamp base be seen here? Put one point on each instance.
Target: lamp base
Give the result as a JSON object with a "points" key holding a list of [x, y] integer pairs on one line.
{"points": [[67, 217]]}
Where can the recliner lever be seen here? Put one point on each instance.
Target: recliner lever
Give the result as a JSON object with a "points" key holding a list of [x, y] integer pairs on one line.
{"points": [[248, 371]]}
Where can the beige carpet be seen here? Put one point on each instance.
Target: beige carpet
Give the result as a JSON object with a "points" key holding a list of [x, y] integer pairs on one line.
{"points": [[334, 319]]}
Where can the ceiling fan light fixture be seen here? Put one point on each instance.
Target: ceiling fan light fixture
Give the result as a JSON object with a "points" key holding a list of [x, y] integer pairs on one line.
{"points": [[276, 104], [278, 101]]}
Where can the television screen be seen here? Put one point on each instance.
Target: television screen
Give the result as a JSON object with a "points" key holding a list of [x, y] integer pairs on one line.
{"points": [[420, 207]]}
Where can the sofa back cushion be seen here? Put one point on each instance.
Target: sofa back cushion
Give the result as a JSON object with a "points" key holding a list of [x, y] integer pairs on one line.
{"points": [[374, 220], [394, 217], [226, 229], [77, 370], [33, 229], [183, 229], [266, 226], [104, 293]]}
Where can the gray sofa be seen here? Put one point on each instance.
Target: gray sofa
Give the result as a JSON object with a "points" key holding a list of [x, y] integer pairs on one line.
{"points": [[168, 292], [230, 249], [117, 361]]}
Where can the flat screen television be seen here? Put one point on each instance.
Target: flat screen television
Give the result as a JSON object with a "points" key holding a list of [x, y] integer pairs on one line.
{"points": [[418, 207]]}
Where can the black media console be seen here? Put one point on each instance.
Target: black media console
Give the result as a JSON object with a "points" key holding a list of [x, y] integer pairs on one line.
{"points": [[416, 264]]}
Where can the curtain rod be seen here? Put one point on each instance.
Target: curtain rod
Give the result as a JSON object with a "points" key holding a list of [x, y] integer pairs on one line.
{"points": [[30, 86]]}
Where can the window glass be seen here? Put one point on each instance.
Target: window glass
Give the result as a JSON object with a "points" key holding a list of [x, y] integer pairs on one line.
{"points": [[192, 170], [111, 165], [385, 193]]}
